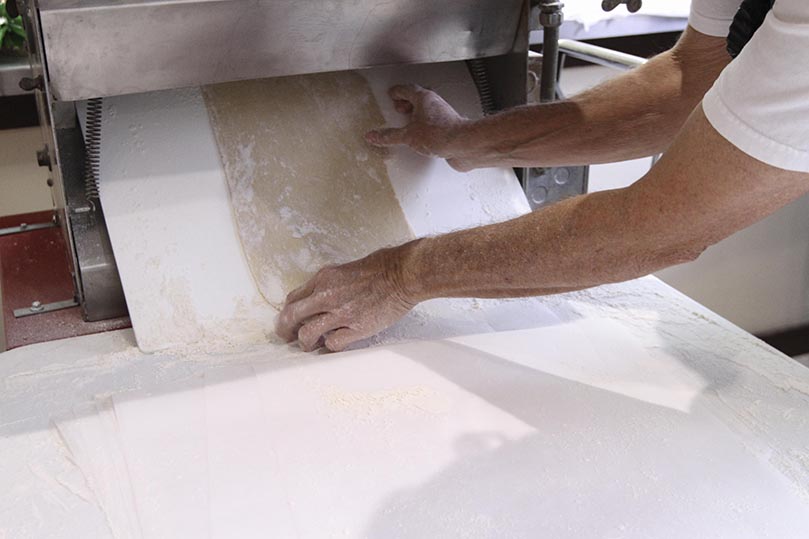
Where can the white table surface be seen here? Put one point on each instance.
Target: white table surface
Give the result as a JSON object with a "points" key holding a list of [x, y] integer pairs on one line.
{"points": [[624, 411]]}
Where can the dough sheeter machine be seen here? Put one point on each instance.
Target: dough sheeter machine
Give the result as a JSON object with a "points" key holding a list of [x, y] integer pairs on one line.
{"points": [[626, 410], [83, 51]]}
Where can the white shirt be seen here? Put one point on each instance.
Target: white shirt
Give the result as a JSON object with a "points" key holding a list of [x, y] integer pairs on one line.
{"points": [[760, 102]]}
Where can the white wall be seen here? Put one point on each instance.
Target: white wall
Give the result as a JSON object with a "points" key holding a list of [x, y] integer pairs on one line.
{"points": [[23, 185], [758, 278]]}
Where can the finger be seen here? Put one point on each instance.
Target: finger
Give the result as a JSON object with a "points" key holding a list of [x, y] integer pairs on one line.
{"points": [[294, 314], [459, 165], [300, 292], [402, 106], [338, 340], [387, 137], [405, 92], [310, 335]]}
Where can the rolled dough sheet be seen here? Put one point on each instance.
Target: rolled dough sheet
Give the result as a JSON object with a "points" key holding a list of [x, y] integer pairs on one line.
{"points": [[308, 191], [90, 435], [489, 435], [306, 188], [164, 441]]}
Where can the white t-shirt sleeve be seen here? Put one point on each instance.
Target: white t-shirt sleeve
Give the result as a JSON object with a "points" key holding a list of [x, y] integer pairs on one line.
{"points": [[760, 102], [713, 17]]}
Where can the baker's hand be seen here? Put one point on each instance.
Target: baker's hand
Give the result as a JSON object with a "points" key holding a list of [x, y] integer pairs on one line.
{"points": [[344, 304], [434, 128]]}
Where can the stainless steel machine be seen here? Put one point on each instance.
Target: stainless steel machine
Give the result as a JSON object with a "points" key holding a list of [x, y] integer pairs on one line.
{"points": [[85, 50]]}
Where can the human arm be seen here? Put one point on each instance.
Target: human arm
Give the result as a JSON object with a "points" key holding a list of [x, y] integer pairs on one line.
{"points": [[702, 190], [633, 115]]}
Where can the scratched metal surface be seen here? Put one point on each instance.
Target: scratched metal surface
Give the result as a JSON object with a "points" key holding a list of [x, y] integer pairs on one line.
{"points": [[90, 49]]}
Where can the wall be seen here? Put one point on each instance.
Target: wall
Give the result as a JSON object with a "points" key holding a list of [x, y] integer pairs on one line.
{"points": [[22, 181]]}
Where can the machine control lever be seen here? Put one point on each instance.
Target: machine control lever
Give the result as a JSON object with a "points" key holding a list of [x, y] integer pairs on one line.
{"points": [[29, 84], [632, 6]]}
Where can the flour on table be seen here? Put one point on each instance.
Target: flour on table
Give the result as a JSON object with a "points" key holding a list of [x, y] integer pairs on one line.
{"points": [[419, 399], [306, 189]]}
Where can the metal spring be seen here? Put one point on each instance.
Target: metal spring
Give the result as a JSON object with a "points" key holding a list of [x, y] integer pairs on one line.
{"points": [[477, 68], [92, 149]]}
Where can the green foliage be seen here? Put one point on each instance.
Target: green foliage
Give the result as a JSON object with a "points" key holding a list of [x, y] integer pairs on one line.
{"points": [[12, 33]]}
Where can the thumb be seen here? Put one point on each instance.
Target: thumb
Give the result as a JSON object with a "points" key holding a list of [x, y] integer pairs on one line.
{"points": [[390, 136]]}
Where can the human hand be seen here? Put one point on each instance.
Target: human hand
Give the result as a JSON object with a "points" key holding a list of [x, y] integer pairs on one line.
{"points": [[344, 304], [434, 128]]}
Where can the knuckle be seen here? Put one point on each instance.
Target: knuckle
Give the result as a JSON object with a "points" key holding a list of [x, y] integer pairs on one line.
{"points": [[308, 336], [325, 273]]}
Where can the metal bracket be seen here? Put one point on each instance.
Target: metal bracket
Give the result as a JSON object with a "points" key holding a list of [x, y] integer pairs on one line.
{"points": [[25, 227], [545, 186], [39, 308]]}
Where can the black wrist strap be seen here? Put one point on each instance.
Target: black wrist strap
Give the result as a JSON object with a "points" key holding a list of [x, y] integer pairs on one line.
{"points": [[747, 20]]}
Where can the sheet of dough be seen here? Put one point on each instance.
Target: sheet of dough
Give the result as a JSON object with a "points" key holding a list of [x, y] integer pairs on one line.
{"points": [[89, 433], [306, 188], [164, 441], [572, 430]]}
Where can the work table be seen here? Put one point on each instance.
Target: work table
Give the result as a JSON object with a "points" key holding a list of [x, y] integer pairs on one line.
{"points": [[623, 411]]}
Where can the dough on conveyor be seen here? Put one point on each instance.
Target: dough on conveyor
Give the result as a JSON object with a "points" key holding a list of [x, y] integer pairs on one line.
{"points": [[306, 188]]}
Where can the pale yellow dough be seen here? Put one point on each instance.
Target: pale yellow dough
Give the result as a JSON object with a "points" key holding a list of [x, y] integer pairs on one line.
{"points": [[306, 189]]}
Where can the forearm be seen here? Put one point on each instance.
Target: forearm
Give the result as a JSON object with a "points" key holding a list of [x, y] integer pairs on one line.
{"points": [[634, 115], [575, 244], [703, 190]]}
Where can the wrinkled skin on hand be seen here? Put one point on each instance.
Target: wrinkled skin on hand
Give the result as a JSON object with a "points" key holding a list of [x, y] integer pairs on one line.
{"points": [[433, 130], [341, 305]]}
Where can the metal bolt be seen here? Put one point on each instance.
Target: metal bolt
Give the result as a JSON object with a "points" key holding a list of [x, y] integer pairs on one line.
{"points": [[539, 195], [36, 307], [23, 226], [29, 84], [44, 157], [550, 13], [561, 176]]}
